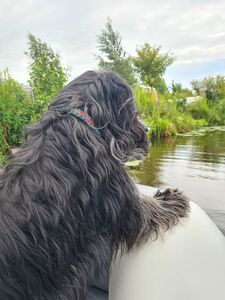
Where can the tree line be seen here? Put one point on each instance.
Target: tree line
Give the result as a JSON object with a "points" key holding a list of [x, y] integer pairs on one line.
{"points": [[146, 67]]}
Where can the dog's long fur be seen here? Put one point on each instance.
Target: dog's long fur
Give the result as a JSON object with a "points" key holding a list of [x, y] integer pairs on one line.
{"points": [[66, 202]]}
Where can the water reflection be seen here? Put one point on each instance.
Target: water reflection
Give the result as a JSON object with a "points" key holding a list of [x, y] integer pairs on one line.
{"points": [[195, 163]]}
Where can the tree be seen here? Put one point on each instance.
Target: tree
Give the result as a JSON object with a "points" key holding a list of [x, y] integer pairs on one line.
{"points": [[179, 91], [47, 75], [212, 87], [114, 58], [151, 65], [180, 94]]}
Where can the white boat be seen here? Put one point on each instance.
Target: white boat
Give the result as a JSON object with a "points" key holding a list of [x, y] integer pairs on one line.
{"points": [[188, 263]]}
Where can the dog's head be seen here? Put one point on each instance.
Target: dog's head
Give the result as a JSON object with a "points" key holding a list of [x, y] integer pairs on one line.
{"points": [[108, 99]]}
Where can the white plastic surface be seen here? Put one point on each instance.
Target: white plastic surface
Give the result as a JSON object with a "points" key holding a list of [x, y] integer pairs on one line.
{"points": [[187, 264]]}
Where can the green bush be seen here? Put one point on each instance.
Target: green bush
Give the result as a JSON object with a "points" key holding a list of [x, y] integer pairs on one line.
{"points": [[161, 114], [199, 109], [16, 110], [212, 113], [220, 110], [145, 101], [185, 123], [160, 127], [215, 117], [212, 87]]}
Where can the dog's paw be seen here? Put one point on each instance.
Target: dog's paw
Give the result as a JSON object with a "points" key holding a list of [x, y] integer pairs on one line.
{"points": [[175, 200]]}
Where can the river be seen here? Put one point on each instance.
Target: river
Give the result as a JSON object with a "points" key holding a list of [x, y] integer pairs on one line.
{"points": [[194, 163]]}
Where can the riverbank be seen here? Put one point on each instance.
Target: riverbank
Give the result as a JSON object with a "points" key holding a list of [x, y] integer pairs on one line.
{"points": [[167, 115]]}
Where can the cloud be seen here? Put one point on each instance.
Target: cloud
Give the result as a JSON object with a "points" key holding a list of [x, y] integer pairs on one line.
{"points": [[192, 29]]}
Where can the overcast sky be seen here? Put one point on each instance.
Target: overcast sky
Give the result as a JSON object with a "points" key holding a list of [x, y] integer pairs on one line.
{"points": [[193, 30]]}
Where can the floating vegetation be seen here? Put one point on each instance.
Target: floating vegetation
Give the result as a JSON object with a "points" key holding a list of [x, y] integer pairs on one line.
{"points": [[203, 131], [133, 164]]}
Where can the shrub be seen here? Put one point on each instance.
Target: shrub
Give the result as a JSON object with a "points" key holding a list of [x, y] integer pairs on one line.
{"points": [[145, 100], [161, 115], [199, 109], [160, 127], [16, 110], [220, 109]]}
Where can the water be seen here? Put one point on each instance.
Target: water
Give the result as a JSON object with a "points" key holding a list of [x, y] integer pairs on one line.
{"points": [[194, 163]]}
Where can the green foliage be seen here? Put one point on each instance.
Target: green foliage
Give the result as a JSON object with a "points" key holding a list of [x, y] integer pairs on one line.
{"points": [[179, 92], [47, 76], [199, 109], [16, 111], [151, 65], [220, 107], [212, 113], [160, 127], [211, 87], [114, 58], [17, 107], [215, 117], [185, 123], [160, 113], [145, 100]]}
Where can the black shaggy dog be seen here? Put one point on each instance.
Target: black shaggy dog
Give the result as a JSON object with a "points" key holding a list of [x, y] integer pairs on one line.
{"points": [[67, 204]]}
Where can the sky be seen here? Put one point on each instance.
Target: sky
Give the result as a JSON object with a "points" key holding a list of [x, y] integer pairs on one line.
{"points": [[192, 30]]}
